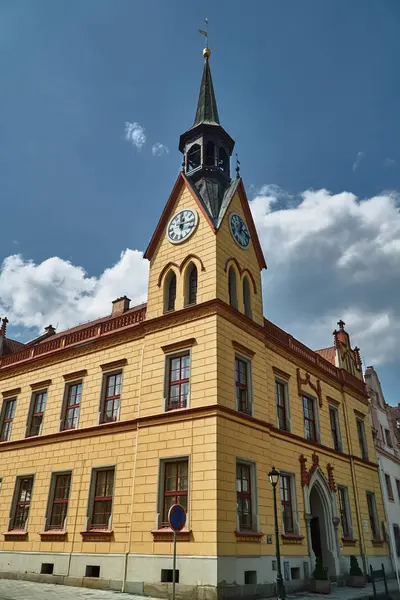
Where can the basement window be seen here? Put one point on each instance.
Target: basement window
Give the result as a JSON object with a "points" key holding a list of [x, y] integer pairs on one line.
{"points": [[250, 577], [47, 569], [92, 571], [166, 575]]}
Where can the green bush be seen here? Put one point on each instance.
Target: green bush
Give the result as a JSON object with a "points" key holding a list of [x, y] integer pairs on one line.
{"points": [[354, 566], [320, 572]]}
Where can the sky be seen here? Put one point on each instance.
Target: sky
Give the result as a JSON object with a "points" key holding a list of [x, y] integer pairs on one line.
{"points": [[94, 97]]}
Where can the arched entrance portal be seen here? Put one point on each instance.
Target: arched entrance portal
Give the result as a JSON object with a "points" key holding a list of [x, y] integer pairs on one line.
{"points": [[322, 523]]}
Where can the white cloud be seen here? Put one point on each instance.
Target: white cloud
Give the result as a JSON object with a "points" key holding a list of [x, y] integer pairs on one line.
{"points": [[359, 158], [135, 134], [58, 292], [333, 256], [389, 162], [159, 149]]}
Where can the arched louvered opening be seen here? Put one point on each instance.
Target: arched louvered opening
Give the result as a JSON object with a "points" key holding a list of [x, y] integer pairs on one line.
{"points": [[223, 161], [246, 297], [193, 158], [232, 287], [191, 284], [210, 154], [170, 291]]}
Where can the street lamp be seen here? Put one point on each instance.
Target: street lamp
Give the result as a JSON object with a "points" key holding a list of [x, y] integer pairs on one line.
{"points": [[274, 476]]}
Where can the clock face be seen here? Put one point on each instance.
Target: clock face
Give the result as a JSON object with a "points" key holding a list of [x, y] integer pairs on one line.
{"points": [[239, 230], [181, 226]]}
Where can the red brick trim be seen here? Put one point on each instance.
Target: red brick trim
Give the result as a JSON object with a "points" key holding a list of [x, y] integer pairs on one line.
{"points": [[241, 271], [166, 534], [11, 536], [292, 538], [249, 536], [97, 535], [53, 535]]}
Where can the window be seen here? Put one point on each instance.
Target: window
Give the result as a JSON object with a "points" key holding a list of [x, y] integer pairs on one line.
{"points": [[382, 434], [246, 297], [373, 517], [193, 157], [281, 402], [389, 488], [388, 438], [7, 416], [232, 287], [243, 496], [176, 484], [59, 497], [191, 285], [72, 404], [223, 160], [361, 439], [398, 488], [178, 381], [334, 421], [396, 534], [35, 421], [243, 400], [287, 504], [309, 419], [170, 292], [344, 509], [210, 154], [112, 398], [102, 498], [21, 504]]}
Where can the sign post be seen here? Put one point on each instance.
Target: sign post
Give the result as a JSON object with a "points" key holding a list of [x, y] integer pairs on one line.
{"points": [[177, 520]]}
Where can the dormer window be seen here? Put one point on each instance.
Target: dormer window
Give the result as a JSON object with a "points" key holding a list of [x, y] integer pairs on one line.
{"points": [[193, 157]]}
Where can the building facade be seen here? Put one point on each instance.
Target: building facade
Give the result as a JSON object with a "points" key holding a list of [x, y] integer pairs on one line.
{"points": [[387, 445], [191, 398]]}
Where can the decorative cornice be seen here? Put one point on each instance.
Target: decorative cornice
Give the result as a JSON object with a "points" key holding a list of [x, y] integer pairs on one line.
{"points": [[75, 375], [243, 349], [181, 345], [331, 477], [10, 393], [115, 364], [307, 381], [333, 401], [41, 384], [306, 475], [359, 414], [281, 374]]}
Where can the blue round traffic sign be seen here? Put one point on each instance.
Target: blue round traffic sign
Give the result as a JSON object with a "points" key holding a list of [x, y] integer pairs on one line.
{"points": [[177, 517]]}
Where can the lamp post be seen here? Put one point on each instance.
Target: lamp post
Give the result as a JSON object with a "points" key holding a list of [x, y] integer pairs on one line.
{"points": [[274, 476]]}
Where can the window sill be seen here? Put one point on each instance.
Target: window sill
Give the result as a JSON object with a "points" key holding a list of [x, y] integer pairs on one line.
{"points": [[292, 538], [349, 541], [377, 541], [97, 535], [253, 537], [15, 534], [166, 534], [53, 535]]}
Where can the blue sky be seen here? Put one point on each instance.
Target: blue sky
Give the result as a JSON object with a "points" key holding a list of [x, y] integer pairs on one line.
{"points": [[310, 92]]}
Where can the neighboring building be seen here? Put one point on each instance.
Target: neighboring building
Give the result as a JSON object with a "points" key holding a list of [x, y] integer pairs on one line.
{"points": [[387, 446], [191, 398]]}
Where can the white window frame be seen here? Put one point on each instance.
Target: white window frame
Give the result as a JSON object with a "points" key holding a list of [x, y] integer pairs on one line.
{"points": [[50, 498], [295, 508], [105, 375], [90, 503], [161, 484], [346, 508], [254, 494], [249, 374], [167, 360], [287, 404], [335, 409]]}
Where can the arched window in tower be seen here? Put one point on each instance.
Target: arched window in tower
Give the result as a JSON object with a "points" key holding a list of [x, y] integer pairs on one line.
{"points": [[191, 285], [246, 297], [232, 287], [193, 158], [223, 160], [210, 154], [170, 291]]}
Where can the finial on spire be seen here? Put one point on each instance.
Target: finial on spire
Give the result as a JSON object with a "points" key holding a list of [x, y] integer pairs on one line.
{"points": [[206, 51], [237, 167], [341, 324]]}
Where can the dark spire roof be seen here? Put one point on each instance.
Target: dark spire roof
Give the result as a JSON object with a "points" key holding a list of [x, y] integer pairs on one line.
{"points": [[207, 111]]}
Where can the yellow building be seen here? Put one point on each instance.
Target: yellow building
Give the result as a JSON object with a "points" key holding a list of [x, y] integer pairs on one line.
{"points": [[191, 398]]}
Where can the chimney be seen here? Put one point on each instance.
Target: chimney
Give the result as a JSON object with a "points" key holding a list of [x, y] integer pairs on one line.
{"points": [[49, 330], [120, 305]]}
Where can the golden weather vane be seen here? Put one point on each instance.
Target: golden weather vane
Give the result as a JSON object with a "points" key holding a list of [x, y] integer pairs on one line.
{"points": [[205, 31]]}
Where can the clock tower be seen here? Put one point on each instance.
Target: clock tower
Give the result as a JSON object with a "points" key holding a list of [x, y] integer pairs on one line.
{"points": [[205, 246]]}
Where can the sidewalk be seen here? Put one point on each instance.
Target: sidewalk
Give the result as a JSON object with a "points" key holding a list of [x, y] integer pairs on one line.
{"points": [[348, 593]]}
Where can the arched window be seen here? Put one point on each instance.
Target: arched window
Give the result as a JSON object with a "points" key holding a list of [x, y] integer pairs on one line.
{"points": [[191, 284], [193, 157], [170, 291], [232, 287], [210, 154], [223, 160], [246, 297]]}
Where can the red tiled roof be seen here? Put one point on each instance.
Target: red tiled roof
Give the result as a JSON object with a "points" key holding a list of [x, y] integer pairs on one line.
{"points": [[11, 346], [328, 354]]}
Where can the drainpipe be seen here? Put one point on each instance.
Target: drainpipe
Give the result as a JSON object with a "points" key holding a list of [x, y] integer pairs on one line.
{"points": [[390, 532], [128, 547], [355, 489], [76, 518]]}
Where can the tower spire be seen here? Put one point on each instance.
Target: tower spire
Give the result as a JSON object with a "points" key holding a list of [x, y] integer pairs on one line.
{"points": [[207, 111]]}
